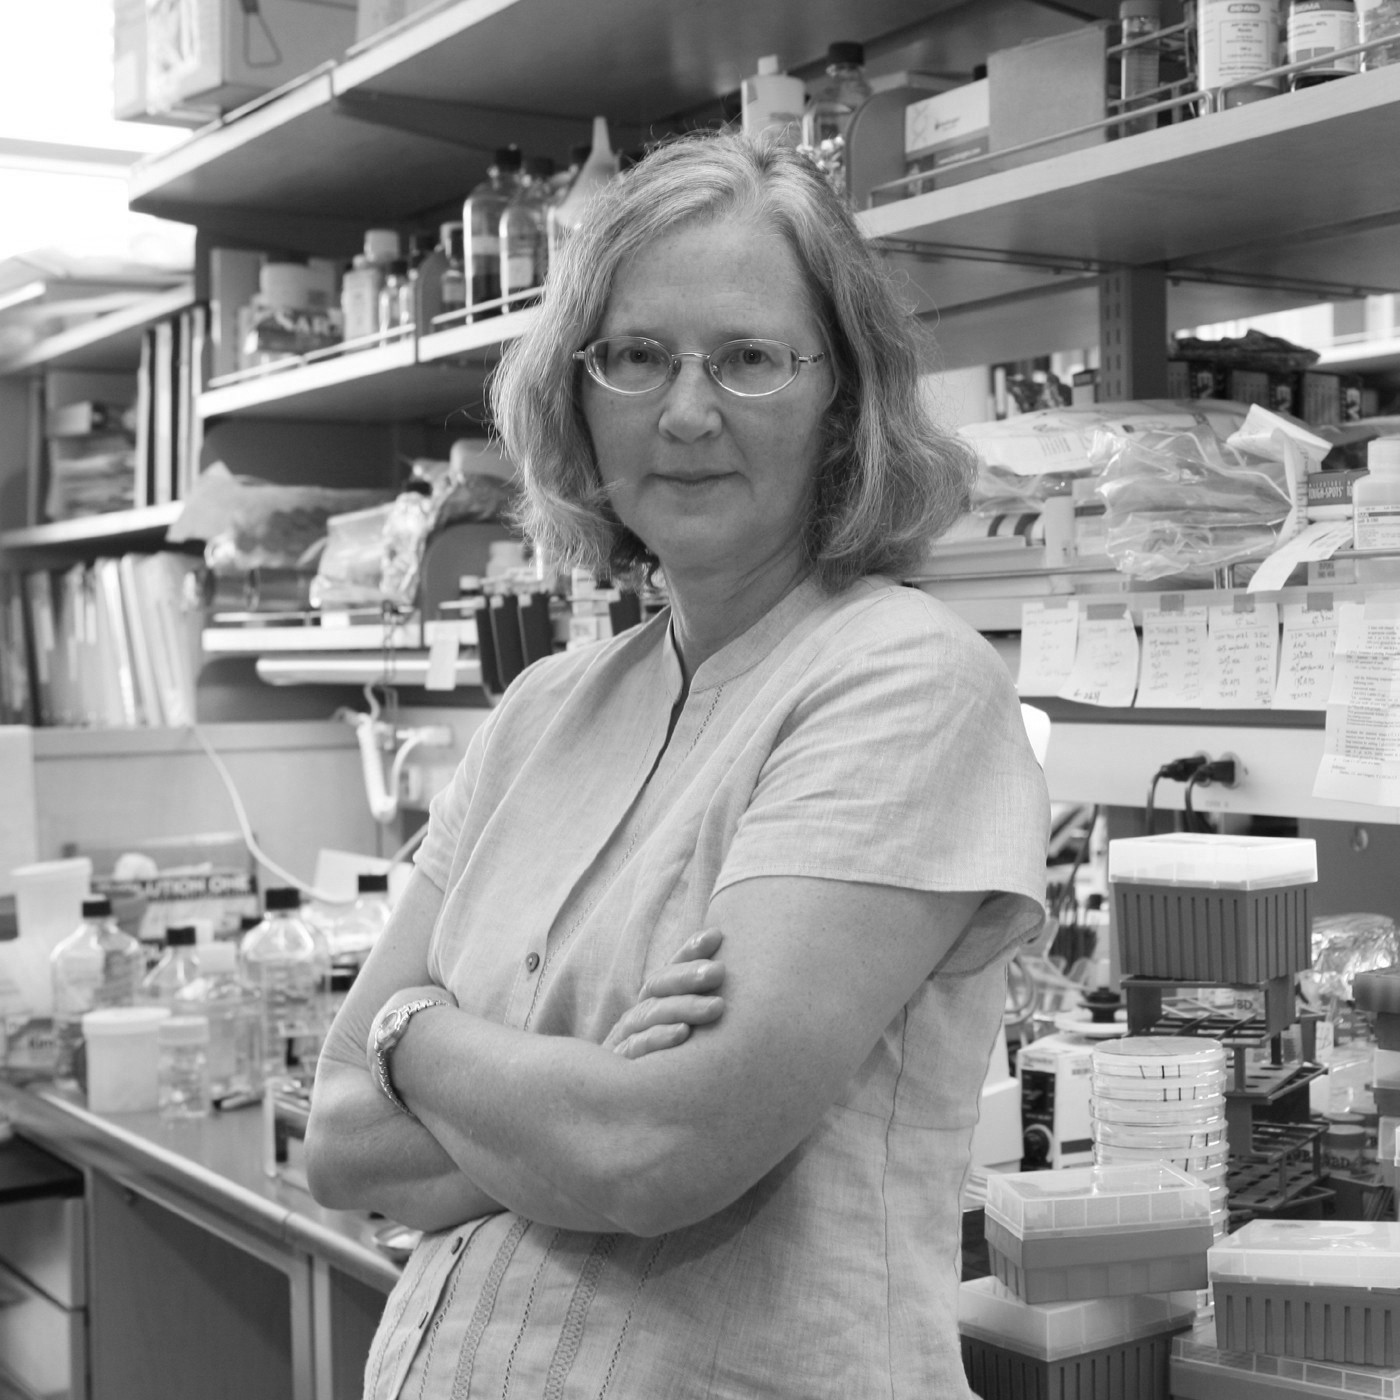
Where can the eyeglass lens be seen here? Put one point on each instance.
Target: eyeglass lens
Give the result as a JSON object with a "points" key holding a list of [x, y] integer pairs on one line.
{"points": [[633, 364]]}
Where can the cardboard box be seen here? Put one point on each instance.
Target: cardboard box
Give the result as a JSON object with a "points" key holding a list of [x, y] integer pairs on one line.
{"points": [[944, 131], [219, 54], [1049, 85]]}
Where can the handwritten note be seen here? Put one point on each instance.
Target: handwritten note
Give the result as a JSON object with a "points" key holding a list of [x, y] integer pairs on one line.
{"points": [[1361, 752], [1049, 631], [1106, 657], [1305, 664], [1173, 654], [1241, 656]]}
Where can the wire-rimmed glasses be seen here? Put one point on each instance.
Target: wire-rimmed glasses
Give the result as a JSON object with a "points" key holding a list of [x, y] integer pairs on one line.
{"points": [[752, 368]]}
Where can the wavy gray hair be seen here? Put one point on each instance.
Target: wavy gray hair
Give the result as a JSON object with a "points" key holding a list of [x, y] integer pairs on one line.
{"points": [[888, 481]]}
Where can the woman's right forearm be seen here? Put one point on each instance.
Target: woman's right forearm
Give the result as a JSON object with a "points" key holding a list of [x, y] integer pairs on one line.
{"points": [[363, 1154]]}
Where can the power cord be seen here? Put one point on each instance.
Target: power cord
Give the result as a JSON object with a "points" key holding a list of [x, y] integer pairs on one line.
{"points": [[1178, 770], [1221, 770]]}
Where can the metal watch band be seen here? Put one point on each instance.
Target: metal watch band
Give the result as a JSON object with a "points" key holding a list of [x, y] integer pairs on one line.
{"points": [[388, 1035]]}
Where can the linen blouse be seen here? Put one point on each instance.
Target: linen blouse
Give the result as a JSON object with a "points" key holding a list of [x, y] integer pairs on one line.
{"points": [[868, 736]]}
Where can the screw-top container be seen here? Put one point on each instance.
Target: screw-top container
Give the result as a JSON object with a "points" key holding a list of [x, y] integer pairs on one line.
{"points": [[233, 1010], [1376, 497], [524, 245], [122, 1056], [360, 287], [1235, 44], [286, 959], [454, 279], [1139, 65], [176, 967], [571, 213], [835, 100], [1317, 29], [481, 230], [358, 929], [182, 1067], [96, 966], [772, 103]]}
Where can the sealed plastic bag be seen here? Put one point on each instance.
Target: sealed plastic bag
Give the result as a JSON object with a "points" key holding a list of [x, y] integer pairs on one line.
{"points": [[1185, 502], [347, 575]]}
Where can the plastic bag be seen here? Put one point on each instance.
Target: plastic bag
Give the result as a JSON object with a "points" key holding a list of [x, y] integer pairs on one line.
{"points": [[348, 573], [248, 524], [1345, 944], [1183, 502]]}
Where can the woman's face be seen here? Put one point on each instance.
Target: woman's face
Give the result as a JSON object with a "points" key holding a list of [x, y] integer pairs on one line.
{"points": [[711, 482]]}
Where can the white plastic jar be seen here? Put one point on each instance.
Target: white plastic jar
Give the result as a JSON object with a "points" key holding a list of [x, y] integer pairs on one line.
{"points": [[1376, 498], [122, 1049]]}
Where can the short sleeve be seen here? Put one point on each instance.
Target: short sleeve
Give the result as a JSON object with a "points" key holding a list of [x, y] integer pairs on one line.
{"points": [[907, 764], [447, 813]]}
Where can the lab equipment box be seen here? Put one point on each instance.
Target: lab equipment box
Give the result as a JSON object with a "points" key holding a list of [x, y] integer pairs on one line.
{"points": [[1216, 909], [1316, 1290]]}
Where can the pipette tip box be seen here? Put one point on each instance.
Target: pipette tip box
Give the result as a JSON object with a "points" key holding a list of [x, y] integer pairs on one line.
{"points": [[1213, 909], [1088, 1232], [1083, 1350], [1202, 1370], [1318, 1290]]}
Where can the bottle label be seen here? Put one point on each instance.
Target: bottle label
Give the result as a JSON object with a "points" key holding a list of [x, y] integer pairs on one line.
{"points": [[484, 245], [1377, 527], [519, 273], [1238, 40], [1317, 29]]}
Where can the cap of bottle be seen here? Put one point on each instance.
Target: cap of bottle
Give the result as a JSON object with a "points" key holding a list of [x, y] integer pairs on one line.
{"points": [[381, 244], [1383, 453], [846, 52], [282, 897], [372, 884], [98, 907], [247, 921], [507, 158], [181, 936], [768, 65]]}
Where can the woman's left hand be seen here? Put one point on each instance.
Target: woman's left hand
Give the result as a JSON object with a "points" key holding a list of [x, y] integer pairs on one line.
{"points": [[672, 1000]]}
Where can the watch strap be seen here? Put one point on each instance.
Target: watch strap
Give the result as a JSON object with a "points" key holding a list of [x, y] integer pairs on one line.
{"points": [[388, 1031]]}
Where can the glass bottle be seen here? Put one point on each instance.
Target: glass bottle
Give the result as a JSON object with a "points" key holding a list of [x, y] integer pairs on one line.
{"points": [[395, 279], [96, 966], [287, 961], [835, 98], [1234, 44], [454, 281], [420, 298], [568, 216], [481, 230], [1140, 66], [182, 1068], [176, 967], [360, 287], [358, 929], [524, 245], [234, 1013]]}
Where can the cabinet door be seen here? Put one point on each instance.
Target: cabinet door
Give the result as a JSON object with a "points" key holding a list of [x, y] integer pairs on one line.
{"points": [[176, 1311]]}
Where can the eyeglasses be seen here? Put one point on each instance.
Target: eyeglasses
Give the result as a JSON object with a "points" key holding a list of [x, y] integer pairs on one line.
{"points": [[752, 369]]}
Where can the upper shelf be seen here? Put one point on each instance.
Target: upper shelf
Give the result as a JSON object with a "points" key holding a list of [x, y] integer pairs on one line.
{"points": [[110, 342], [1302, 190], [407, 121], [111, 530]]}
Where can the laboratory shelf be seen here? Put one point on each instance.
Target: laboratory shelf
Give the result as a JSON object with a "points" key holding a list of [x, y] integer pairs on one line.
{"points": [[257, 639], [108, 342], [321, 668], [113, 529]]}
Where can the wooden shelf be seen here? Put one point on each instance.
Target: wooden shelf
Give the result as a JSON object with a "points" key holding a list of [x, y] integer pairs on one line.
{"points": [[407, 121], [115, 528], [110, 342]]}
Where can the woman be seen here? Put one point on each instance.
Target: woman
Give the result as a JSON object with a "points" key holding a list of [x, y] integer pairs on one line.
{"points": [[820, 767]]}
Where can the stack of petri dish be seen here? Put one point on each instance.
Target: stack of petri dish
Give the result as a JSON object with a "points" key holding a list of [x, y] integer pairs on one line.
{"points": [[1162, 1098]]}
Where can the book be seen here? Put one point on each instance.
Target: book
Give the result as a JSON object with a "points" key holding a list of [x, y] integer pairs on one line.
{"points": [[138, 628], [87, 416], [172, 630], [16, 692], [194, 431], [38, 592], [142, 483], [163, 413]]}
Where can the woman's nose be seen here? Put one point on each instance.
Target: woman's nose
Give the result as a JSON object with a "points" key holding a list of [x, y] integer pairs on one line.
{"points": [[691, 407]]}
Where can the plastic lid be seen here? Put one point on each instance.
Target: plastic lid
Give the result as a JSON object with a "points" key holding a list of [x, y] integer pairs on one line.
{"points": [[372, 884], [844, 51], [507, 158], [286, 283], [181, 936], [768, 65], [1343, 1253], [993, 1313], [99, 906], [1159, 1056], [1383, 454], [1087, 1200], [1198, 1348], [183, 1030], [282, 897], [381, 243], [1215, 862], [217, 959], [123, 1020]]}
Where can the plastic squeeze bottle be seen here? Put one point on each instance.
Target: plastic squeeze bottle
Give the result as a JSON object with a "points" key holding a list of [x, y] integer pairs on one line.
{"points": [[568, 216], [96, 966]]}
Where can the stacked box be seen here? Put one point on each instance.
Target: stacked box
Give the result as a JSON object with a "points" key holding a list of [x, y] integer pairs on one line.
{"points": [[1093, 1232], [1090, 1348], [1320, 1290], [1213, 909], [1202, 1370]]}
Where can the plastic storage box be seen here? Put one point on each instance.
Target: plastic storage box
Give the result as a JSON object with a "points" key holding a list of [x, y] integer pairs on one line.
{"points": [[1084, 1350], [1321, 1290], [1089, 1232], [1201, 1370], [1213, 909]]}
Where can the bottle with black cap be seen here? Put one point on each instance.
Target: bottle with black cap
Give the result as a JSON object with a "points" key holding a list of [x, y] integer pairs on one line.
{"points": [[835, 98], [176, 967], [481, 231], [96, 966], [286, 959]]}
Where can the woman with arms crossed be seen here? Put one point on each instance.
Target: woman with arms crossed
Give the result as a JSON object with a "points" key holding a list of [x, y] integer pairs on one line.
{"points": [[801, 757]]}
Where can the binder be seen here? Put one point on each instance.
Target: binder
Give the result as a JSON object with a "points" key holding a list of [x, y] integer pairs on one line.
{"points": [[148, 694], [38, 591], [118, 670], [163, 413], [142, 494]]}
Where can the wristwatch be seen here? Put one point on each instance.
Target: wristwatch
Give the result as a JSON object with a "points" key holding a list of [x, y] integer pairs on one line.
{"points": [[386, 1032]]}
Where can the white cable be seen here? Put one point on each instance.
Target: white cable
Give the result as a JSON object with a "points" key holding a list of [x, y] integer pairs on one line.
{"points": [[409, 846], [415, 738], [246, 828]]}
